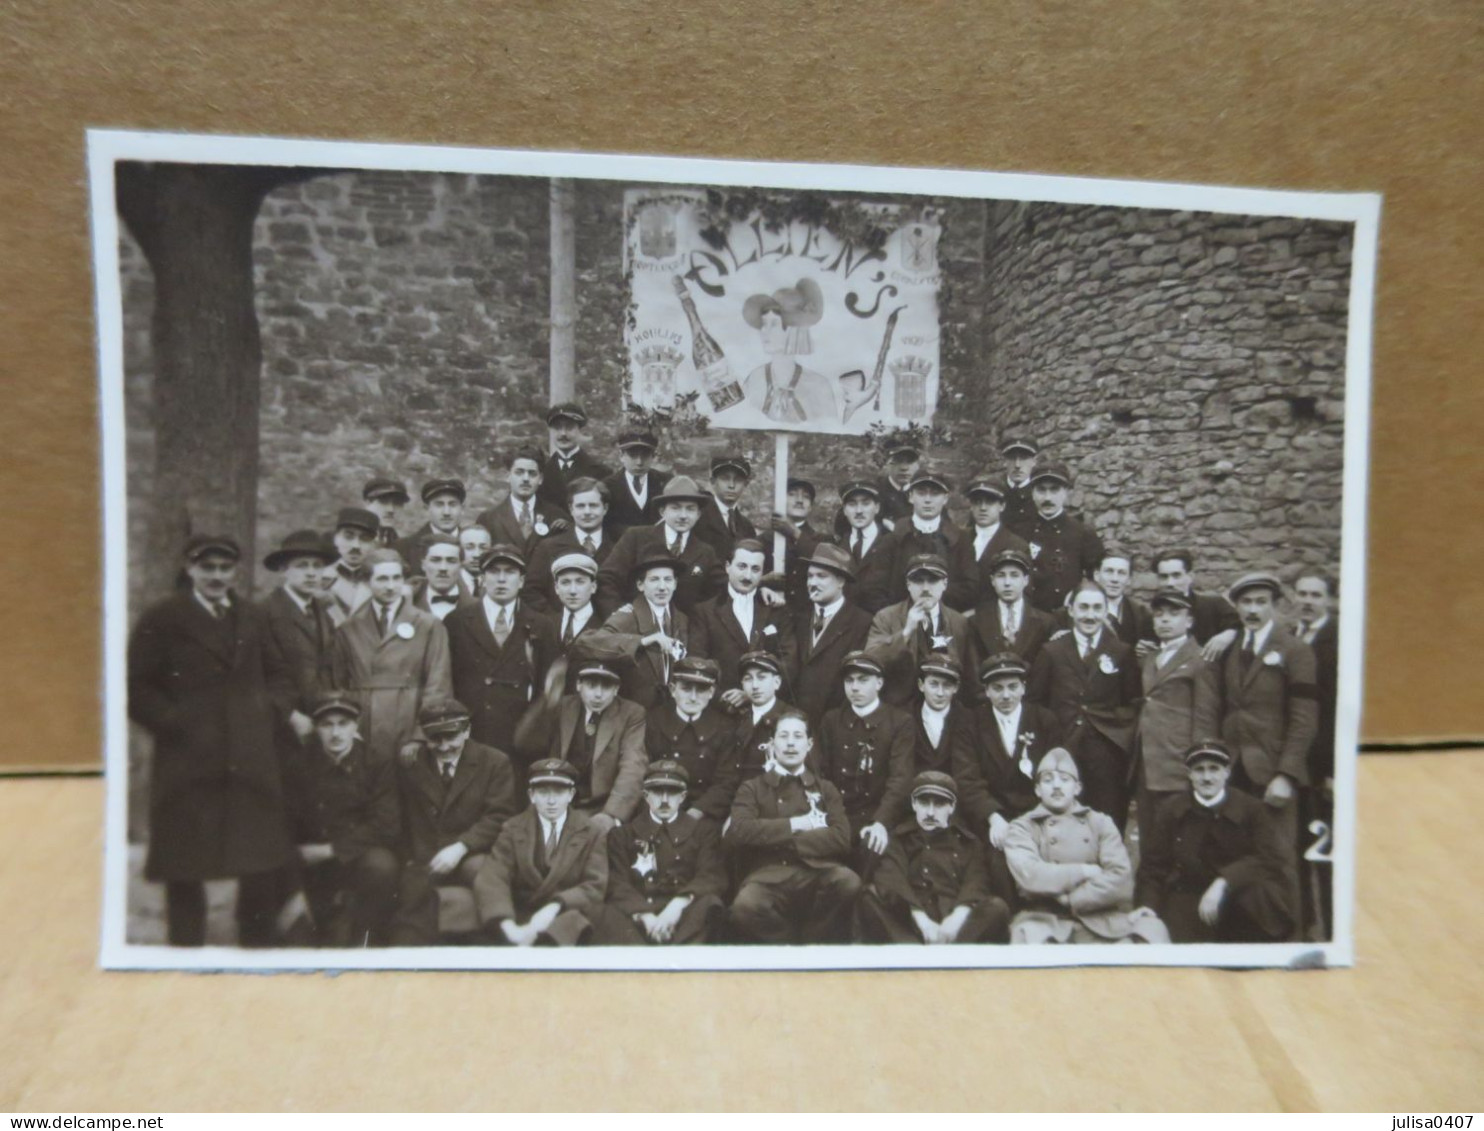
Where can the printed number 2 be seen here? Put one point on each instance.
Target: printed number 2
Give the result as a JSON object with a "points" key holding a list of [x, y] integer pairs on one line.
{"points": [[1318, 852]]}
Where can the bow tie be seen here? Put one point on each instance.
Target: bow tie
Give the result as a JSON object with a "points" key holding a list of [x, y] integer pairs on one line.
{"points": [[444, 598], [352, 574]]}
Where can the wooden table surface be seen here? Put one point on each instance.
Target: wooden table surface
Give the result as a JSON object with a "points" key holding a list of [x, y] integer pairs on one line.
{"points": [[1398, 1033]]}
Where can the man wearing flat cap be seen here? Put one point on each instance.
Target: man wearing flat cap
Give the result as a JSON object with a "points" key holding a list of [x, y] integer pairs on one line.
{"points": [[501, 651], [634, 490], [738, 620], [1006, 621], [385, 498], [721, 522], [1212, 865], [1020, 462], [904, 634], [523, 519], [457, 795], [1064, 550], [982, 543], [873, 548], [574, 578], [821, 638], [567, 460], [544, 882], [348, 831], [443, 498], [666, 875], [1270, 713], [927, 530], [355, 536], [198, 684], [699, 573], [932, 886], [865, 749], [1075, 880], [587, 503], [695, 733]]}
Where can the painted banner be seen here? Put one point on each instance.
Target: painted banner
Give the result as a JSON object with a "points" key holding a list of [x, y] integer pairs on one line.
{"points": [[786, 328]]}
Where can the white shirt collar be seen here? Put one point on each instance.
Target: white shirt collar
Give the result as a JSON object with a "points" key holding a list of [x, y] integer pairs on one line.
{"points": [[671, 534], [1215, 801], [1172, 645], [759, 712], [596, 535], [929, 713], [830, 610], [1090, 642], [1260, 637], [1011, 720], [579, 618], [927, 526], [866, 712], [983, 535], [302, 602], [658, 612], [868, 535], [226, 602], [548, 827]]}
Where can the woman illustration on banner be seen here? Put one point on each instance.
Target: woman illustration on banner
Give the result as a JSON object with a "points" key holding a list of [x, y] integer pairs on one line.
{"points": [[781, 387]]}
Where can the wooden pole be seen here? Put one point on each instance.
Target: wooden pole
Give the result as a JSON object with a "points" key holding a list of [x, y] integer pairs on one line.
{"points": [[780, 496], [562, 381]]}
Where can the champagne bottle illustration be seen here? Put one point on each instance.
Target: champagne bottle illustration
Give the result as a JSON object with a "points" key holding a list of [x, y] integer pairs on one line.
{"points": [[721, 388]]}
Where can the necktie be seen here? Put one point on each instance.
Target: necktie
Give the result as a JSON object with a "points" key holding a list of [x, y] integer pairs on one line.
{"points": [[818, 623], [666, 626], [551, 843], [1082, 646], [1247, 649], [673, 546], [502, 624], [218, 610], [589, 547], [447, 771], [567, 619], [636, 485], [856, 545], [444, 599], [526, 526], [384, 620], [590, 728], [1010, 625], [1304, 631], [732, 521]]}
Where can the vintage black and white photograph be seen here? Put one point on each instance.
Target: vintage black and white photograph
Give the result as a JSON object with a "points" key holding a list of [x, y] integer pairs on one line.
{"points": [[559, 561]]}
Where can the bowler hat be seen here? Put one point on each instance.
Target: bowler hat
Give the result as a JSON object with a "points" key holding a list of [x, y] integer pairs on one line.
{"points": [[301, 544], [834, 558], [656, 560], [935, 783], [553, 771], [202, 544]]}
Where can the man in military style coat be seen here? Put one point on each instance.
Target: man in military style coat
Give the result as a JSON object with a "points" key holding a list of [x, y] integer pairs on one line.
{"points": [[1090, 681], [791, 839], [1007, 622], [197, 685], [942, 726], [544, 882], [457, 795], [635, 489], [904, 634], [721, 522], [738, 620], [522, 519], [587, 501], [932, 886], [1064, 550], [975, 553], [927, 530], [1212, 866], [1020, 460], [873, 548], [567, 460], [699, 574], [666, 875], [694, 732], [501, 651], [820, 640], [444, 500]]}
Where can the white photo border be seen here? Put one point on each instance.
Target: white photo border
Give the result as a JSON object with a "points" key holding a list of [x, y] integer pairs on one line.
{"points": [[105, 147]]}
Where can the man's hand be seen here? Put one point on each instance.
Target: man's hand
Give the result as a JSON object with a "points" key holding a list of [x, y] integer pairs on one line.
{"points": [[667, 644], [953, 923], [874, 835], [649, 923], [1217, 645], [448, 858], [772, 597], [516, 934], [998, 827], [557, 525], [927, 927], [668, 919], [1059, 633], [543, 919], [316, 853], [917, 616], [1279, 792], [735, 698], [781, 525], [813, 819], [410, 752], [303, 725], [694, 812], [604, 821], [1210, 907], [1146, 648]]}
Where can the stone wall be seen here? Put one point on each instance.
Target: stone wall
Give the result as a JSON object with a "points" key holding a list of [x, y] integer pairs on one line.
{"points": [[1188, 367]]}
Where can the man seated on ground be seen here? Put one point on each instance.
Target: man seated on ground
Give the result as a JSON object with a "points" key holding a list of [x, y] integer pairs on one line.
{"points": [[1075, 880], [932, 885], [457, 794], [791, 838], [545, 880], [695, 732], [1213, 867], [665, 870], [349, 832]]}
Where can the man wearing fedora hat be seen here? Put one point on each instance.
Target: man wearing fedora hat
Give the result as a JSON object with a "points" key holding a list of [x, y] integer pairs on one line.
{"points": [[1006, 621], [983, 542], [931, 885], [1212, 866], [587, 503], [698, 573], [666, 875], [822, 636], [1270, 711], [721, 523], [782, 389], [385, 498], [1020, 460], [544, 882], [692, 731], [523, 519], [634, 489], [904, 634], [501, 651], [444, 500], [657, 633], [873, 547], [355, 536], [567, 460], [1063, 549], [457, 795], [197, 683]]}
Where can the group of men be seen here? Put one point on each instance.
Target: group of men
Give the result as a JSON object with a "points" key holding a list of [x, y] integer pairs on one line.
{"points": [[600, 712]]}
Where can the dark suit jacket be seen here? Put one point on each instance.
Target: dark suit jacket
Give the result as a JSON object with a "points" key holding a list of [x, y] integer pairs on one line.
{"points": [[869, 761], [684, 858], [353, 806], [708, 753], [1271, 713], [970, 580], [472, 808], [958, 733], [1182, 706], [554, 481], [1097, 695], [987, 636], [539, 590], [759, 833], [503, 526], [990, 779], [813, 680], [1326, 649], [900, 657], [498, 683], [910, 542], [1213, 615], [702, 577], [874, 586], [645, 681], [1134, 622], [716, 633], [616, 776], [713, 531], [933, 874], [295, 648], [623, 511], [512, 884]]}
